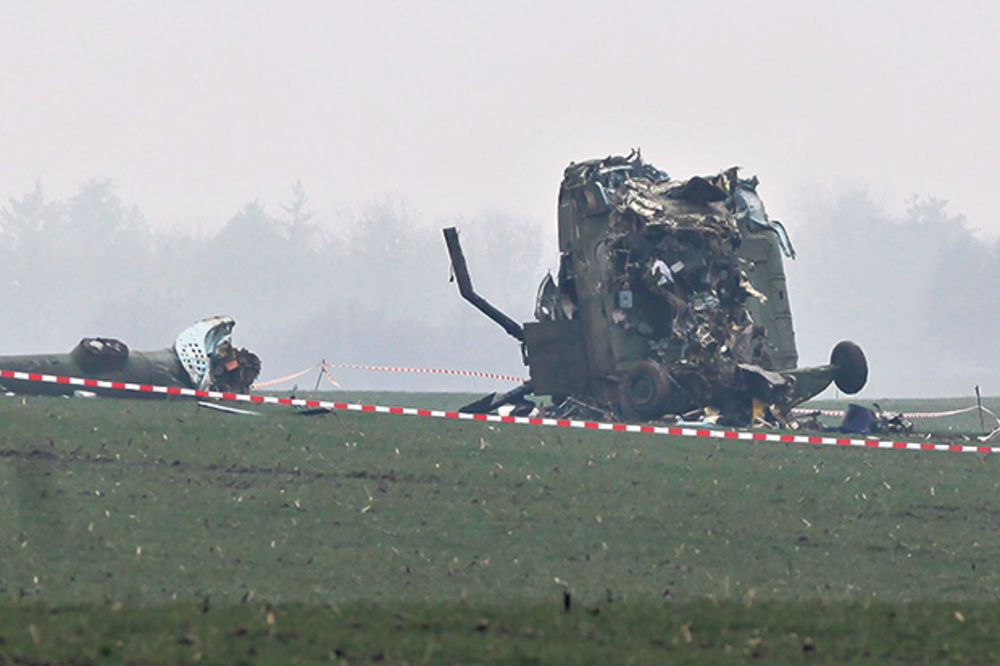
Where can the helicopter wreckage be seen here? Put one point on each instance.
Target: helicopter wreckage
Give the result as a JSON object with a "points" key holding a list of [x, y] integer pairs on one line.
{"points": [[202, 357], [670, 300]]}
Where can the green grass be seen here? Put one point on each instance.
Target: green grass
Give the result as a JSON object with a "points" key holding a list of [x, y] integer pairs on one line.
{"points": [[702, 632], [129, 518]]}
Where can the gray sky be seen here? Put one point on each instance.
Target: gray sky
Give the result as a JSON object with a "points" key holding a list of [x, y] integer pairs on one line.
{"points": [[195, 108]]}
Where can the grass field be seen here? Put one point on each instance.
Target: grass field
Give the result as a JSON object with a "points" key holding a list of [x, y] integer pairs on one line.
{"points": [[160, 532]]}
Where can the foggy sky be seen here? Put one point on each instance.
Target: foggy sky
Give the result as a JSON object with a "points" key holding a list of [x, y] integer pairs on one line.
{"points": [[422, 115], [194, 108]]}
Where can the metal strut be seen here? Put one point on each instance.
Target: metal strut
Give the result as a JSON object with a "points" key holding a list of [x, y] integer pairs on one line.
{"points": [[468, 293]]}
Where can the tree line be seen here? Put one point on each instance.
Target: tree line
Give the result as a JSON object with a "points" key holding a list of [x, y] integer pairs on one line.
{"points": [[369, 287], [372, 286]]}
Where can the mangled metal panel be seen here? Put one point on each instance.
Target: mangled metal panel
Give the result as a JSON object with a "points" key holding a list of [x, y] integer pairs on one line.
{"points": [[670, 298], [206, 352], [658, 260]]}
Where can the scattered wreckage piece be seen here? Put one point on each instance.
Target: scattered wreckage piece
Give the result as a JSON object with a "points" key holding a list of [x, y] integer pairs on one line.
{"points": [[314, 411], [226, 409], [202, 357], [859, 419], [670, 299]]}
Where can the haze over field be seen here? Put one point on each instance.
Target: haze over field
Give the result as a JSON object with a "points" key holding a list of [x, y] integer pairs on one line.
{"points": [[166, 141]]}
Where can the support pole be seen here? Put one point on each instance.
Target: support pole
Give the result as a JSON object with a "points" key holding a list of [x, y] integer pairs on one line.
{"points": [[979, 404]]}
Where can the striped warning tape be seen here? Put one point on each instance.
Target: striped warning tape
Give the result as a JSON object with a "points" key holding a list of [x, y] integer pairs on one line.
{"points": [[428, 371], [323, 368], [954, 412], [823, 412], [906, 415], [391, 368], [512, 378], [287, 378], [494, 418]]}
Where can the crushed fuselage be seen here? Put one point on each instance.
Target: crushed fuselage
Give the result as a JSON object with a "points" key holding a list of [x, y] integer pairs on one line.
{"points": [[202, 357], [670, 298]]}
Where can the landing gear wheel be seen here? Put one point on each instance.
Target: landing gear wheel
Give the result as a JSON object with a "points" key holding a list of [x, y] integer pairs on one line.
{"points": [[645, 391], [851, 367]]}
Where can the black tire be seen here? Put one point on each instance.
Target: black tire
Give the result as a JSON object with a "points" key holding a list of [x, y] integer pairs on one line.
{"points": [[851, 367], [645, 391]]}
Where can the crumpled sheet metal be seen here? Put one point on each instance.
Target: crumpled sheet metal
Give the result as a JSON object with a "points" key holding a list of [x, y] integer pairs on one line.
{"points": [[653, 310], [750, 209], [680, 281], [206, 352]]}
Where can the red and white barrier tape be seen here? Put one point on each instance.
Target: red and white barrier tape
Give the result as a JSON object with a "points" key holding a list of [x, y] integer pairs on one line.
{"points": [[954, 412], [823, 412], [322, 365], [511, 378], [492, 418], [287, 378], [427, 371], [391, 368], [906, 415]]}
